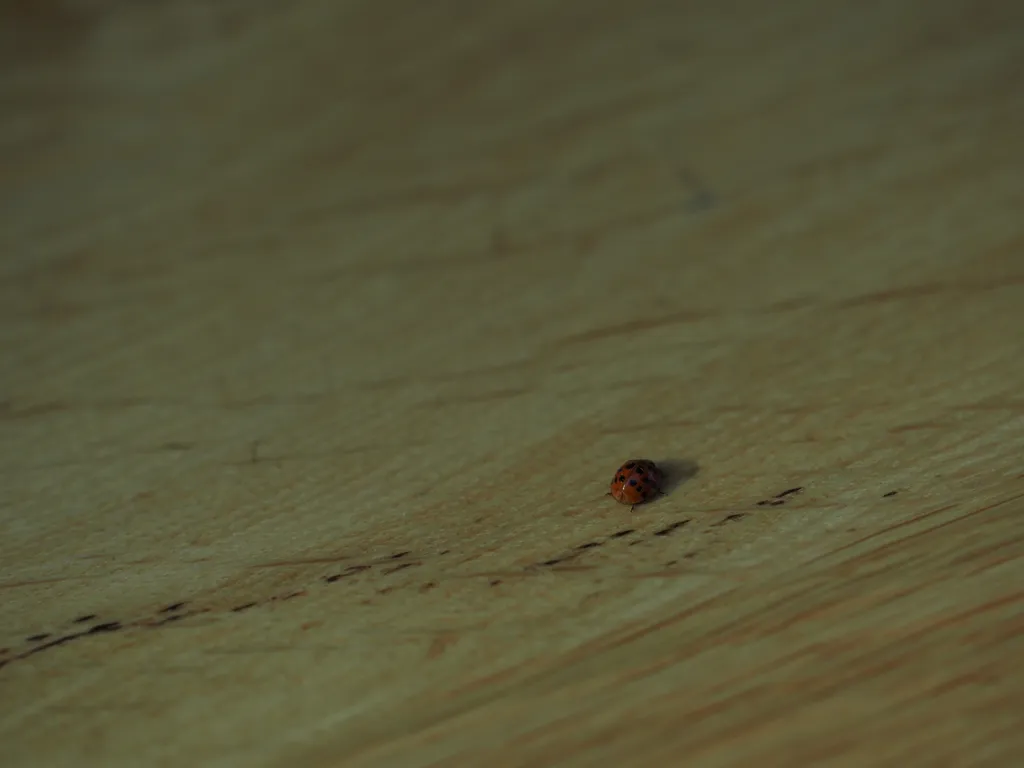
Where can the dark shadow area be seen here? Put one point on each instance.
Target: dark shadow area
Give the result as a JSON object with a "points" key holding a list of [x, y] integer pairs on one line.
{"points": [[676, 472]]}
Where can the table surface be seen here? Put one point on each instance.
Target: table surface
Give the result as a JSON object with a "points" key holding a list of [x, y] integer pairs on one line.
{"points": [[325, 327]]}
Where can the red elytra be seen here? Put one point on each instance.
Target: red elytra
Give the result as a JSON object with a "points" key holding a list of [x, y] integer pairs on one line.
{"points": [[636, 481]]}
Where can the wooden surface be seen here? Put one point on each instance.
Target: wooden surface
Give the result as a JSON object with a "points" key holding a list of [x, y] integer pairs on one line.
{"points": [[324, 325]]}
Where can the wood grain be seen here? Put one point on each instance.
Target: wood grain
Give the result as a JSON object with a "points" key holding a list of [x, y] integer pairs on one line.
{"points": [[324, 325]]}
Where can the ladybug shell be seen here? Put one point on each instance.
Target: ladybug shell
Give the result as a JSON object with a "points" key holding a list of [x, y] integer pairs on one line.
{"points": [[636, 481]]}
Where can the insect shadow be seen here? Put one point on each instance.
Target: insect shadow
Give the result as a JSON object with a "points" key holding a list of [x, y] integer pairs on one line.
{"points": [[675, 472]]}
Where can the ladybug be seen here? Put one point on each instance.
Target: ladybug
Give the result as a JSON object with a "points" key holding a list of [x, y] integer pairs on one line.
{"points": [[635, 482]]}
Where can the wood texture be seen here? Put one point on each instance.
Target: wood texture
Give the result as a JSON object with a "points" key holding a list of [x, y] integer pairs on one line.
{"points": [[325, 323]]}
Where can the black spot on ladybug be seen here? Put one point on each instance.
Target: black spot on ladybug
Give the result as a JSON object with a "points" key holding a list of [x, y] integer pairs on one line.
{"points": [[632, 481], [622, 478]]}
